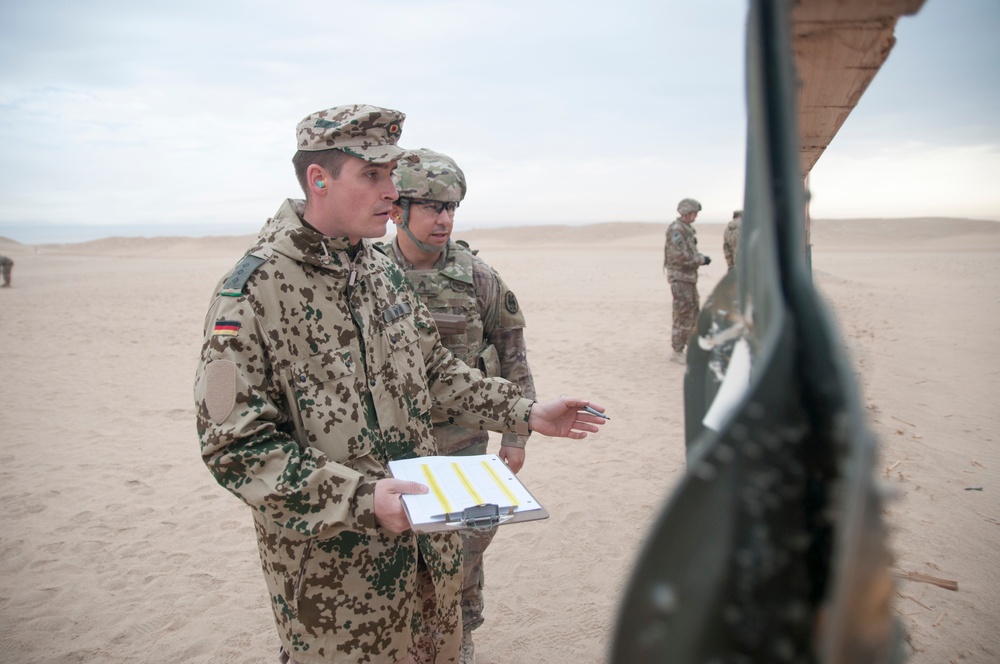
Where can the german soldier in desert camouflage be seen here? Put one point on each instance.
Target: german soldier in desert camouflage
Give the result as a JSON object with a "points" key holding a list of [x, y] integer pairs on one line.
{"points": [[479, 320], [681, 260], [320, 364]]}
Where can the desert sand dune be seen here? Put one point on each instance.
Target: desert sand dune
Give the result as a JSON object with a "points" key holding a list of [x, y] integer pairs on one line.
{"points": [[119, 547]]}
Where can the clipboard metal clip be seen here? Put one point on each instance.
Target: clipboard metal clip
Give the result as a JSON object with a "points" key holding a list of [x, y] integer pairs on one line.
{"points": [[478, 517]]}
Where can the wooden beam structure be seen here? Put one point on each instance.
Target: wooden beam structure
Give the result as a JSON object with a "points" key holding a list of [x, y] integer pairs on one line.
{"points": [[838, 46]]}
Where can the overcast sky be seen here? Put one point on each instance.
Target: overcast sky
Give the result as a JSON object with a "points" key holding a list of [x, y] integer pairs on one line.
{"points": [[184, 112]]}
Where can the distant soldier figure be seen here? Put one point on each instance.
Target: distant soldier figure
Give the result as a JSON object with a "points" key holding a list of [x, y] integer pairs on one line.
{"points": [[6, 267], [731, 238], [681, 261], [479, 320]]}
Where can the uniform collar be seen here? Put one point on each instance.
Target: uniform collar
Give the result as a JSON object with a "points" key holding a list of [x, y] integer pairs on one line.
{"points": [[289, 235], [407, 265]]}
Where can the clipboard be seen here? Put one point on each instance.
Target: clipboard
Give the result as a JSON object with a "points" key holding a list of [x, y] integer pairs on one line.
{"points": [[466, 492]]}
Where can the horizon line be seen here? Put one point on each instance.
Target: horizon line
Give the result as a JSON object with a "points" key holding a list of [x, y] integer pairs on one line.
{"points": [[34, 233]]}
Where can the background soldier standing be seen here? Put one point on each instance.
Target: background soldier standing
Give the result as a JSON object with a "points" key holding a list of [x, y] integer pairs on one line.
{"points": [[479, 320], [731, 238], [681, 261], [6, 267], [319, 366]]}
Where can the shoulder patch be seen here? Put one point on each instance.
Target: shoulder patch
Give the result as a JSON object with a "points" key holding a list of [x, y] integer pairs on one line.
{"points": [[220, 389], [237, 279], [510, 301], [226, 328]]}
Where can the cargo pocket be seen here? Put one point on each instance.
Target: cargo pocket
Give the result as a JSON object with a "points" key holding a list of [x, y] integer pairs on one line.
{"points": [[401, 386], [489, 361], [325, 387]]}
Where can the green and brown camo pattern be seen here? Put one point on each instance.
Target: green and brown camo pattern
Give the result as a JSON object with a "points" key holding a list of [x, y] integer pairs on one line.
{"points": [[361, 130], [306, 387]]}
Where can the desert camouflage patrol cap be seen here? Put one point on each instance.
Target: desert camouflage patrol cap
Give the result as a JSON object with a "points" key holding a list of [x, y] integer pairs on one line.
{"points": [[688, 205], [360, 130], [436, 177]]}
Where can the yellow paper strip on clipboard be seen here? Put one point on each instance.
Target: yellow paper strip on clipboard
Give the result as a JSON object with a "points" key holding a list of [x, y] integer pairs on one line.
{"points": [[436, 488], [500, 483], [467, 484]]}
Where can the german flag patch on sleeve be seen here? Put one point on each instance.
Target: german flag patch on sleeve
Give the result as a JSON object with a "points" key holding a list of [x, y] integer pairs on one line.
{"points": [[226, 328]]}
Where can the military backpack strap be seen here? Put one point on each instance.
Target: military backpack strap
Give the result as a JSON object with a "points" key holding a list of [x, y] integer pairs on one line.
{"points": [[237, 279]]}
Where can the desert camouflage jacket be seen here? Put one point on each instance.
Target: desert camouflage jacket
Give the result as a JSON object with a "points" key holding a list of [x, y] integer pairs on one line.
{"points": [[490, 335], [680, 253], [314, 373]]}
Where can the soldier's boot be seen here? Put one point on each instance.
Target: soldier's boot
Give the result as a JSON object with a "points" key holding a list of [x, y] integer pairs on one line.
{"points": [[467, 655], [677, 357]]}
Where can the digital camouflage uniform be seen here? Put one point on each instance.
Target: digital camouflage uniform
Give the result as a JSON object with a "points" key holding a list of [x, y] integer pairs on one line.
{"points": [[682, 260], [731, 241], [314, 373], [479, 319]]}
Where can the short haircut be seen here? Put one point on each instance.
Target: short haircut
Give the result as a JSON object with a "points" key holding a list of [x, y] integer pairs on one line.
{"points": [[332, 161]]}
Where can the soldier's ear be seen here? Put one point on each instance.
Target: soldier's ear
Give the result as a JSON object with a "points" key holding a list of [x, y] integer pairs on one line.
{"points": [[396, 214], [317, 178]]}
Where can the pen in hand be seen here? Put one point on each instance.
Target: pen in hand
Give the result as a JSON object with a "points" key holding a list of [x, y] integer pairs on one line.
{"points": [[594, 411]]}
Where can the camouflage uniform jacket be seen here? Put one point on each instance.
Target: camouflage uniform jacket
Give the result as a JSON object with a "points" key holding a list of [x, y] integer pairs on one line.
{"points": [[680, 253], [731, 242], [313, 375], [491, 336]]}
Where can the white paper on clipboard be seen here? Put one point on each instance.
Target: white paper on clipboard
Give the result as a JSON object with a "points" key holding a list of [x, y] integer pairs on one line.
{"points": [[459, 482]]}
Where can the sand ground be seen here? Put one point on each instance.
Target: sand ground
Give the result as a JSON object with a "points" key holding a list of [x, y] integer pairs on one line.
{"points": [[118, 547]]}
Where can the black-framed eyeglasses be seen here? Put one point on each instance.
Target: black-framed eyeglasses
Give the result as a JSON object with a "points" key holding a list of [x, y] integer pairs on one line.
{"points": [[437, 207]]}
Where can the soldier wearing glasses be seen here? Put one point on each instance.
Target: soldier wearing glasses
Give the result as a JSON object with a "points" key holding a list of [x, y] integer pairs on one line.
{"points": [[319, 366], [478, 317]]}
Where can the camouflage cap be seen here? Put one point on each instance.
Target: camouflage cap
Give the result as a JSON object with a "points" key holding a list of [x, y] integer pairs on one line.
{"points": [[688, 205], [360, 130], [437, 177]]}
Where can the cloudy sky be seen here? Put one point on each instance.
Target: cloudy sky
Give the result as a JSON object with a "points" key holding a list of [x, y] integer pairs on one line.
{"points": [[182, 113]]}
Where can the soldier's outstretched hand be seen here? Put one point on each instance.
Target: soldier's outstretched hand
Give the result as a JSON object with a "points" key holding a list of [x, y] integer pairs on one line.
{"points": [[565, 417]]}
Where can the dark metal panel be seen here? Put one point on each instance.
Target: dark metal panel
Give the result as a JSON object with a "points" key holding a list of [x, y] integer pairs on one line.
{"points": [[772, 548]]}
